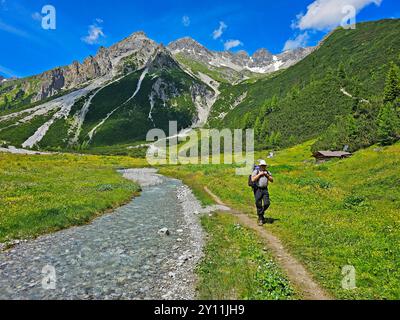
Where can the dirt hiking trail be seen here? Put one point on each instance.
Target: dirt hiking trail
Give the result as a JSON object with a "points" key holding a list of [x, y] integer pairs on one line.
{"points": [[295, 271]]}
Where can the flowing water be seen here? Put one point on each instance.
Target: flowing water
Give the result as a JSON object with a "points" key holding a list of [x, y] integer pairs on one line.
{"points": [[118, 256]]}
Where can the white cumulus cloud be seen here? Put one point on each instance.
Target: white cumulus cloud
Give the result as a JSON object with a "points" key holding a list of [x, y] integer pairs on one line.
{"points": [[218, 32], [186, 21], [327, 14], [95, 33], [299, 42], [230, 44]]}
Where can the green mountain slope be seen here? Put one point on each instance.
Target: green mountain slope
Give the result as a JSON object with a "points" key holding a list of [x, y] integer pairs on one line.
{"points": [[134, 119], [122, 111], [302, 102]]}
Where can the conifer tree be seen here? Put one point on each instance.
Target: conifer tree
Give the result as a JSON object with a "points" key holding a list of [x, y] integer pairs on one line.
{"points": [[392, 87], [388, 125]]}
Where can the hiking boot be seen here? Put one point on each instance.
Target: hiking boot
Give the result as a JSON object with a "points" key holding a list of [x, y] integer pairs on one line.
{"points": [[261, 222]]}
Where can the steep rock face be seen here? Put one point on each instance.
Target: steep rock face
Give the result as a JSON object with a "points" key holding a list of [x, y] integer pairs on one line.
{"points": [[162, 59], [51, 83], [203, 100]]}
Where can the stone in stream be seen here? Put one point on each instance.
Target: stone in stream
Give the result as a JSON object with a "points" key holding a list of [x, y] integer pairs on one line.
{"points": [[164, 232]]}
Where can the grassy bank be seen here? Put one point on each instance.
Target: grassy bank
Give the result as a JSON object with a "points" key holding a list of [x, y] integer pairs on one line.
{"points": [[236, 265], [330, 215], [42, 194]]}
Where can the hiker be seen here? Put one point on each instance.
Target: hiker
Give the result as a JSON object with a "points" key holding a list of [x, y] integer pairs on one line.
{"points": [[261, 178]]}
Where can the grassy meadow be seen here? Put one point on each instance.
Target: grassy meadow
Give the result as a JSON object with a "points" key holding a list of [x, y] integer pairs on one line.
{"points": [[328, 215], [42, 194]]}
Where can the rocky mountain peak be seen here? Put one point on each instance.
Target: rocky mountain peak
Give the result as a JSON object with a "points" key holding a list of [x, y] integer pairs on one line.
{"points": [[135, 41], [262, 56], [138, 34], [187, 44], [243, 54]]}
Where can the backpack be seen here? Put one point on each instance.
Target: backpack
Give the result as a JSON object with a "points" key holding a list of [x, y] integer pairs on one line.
{"points": [[250, 181]]}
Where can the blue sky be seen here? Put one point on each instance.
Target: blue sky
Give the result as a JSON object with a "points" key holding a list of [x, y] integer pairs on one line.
{"points": [[82, 26]]}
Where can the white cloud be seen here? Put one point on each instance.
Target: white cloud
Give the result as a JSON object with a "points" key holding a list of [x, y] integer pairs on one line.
{"points": [[37, 16], [95, 32], [232, 44], [218, 33], [299, 42], [327, 14], [186, 21]]}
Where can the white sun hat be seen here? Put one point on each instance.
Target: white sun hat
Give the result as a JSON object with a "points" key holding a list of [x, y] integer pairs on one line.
{"points": [[262, 163]]}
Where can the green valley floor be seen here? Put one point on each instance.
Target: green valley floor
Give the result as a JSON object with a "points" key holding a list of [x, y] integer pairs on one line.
{"points": [[330, 215]]}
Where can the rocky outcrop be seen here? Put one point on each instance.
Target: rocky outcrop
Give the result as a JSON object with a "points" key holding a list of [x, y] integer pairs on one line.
{"points": [[262, 57], [291, 57], [203, 99], [51, 82]]}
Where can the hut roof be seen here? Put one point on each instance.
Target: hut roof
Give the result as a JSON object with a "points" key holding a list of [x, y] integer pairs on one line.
{"points": [[332, 154]]}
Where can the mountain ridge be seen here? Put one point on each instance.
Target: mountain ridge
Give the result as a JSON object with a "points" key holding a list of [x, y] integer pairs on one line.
{"points": [[261, 62], [63, 78], [123, 91]]}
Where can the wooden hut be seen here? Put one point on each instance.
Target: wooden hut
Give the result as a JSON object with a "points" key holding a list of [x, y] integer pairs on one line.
{"points": [[328, 155]]}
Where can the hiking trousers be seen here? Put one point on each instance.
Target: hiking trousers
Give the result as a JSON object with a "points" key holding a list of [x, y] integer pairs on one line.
{"points": [[262, 201]]}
